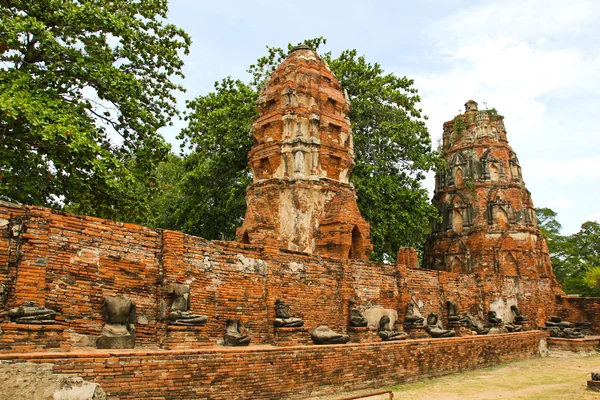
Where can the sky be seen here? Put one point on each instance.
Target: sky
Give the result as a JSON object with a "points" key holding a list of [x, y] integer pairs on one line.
{"points": [[536, 62]]}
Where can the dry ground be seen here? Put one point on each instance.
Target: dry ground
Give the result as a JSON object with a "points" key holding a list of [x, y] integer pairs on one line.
{"points": [[536, 379]]}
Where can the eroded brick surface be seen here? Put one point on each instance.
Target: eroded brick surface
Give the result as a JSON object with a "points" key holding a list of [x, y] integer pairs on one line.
{"points": [[301, 198]]}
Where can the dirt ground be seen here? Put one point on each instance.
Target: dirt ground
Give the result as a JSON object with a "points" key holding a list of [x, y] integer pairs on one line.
{"points": [[536, 379]]}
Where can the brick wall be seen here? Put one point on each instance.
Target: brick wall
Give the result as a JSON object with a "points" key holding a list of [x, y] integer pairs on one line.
{"points": [[11, 222], [571, 308], [69, 263], [286, 372]]}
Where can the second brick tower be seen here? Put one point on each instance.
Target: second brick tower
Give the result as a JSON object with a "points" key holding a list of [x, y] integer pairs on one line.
{"points": [[488, 222]]}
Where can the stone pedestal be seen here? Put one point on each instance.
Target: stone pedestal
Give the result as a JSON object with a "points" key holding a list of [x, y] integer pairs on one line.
{"points": [[593, 385], [365, 334], [115, 342], [285, 336], [527, 325], [416, 331], [497, 330], [588, 344], [185, 337], [462, 330]]}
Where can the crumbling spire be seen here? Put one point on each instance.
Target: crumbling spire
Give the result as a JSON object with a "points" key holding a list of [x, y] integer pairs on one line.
{"points": [[301, 198]]}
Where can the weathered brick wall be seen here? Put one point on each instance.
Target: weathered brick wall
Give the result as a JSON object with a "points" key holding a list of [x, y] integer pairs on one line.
{"points": [[571, 308], [283, 373], [11, 222], [69, 263]]}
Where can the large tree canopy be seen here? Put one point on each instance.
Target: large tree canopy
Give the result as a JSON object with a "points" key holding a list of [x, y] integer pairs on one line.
{"points": [[84, 87], [392, 145]]}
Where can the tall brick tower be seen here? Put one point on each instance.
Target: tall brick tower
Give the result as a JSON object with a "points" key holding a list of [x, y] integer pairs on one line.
{"points": [[489, 225], [301, 198]]}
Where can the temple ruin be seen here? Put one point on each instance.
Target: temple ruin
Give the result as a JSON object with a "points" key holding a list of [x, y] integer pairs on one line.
{"points": [[239, 319], [301, 198], [488, 223]]}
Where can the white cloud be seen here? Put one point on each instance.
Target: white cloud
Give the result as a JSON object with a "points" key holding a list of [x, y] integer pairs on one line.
{"points": [[593, 217], [581, 171], [532, 20], [560, 202], [512, 77], [538, 64]]}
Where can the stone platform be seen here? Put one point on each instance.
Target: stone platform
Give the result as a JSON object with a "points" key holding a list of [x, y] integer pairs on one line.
{"points": [[585, 345], [365, 334], [267, 372], [291, 336]]}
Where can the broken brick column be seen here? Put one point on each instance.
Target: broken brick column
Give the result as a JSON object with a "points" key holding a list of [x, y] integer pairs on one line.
{"points": [[30, 282]]}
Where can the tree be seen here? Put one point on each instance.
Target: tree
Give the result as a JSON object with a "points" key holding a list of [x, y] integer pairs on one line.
{"points": [[84, 88], [211, 203], [548, 224], [583, 260], [575, 258], [558, 246], [392, 145]]}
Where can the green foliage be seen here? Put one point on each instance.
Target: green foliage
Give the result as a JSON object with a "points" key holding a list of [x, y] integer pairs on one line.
{"points": [[208, 199], [392, 145], [492, 112], [75, 76], [393, 151], [460, 124], [470, 185], [592, 278], [548, 223], [575, 258]]}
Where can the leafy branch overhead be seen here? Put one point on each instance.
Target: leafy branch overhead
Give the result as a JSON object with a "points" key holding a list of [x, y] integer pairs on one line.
{"points": [[84, 88]]}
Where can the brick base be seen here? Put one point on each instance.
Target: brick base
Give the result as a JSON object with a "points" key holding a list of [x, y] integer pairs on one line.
{"points": [[186, 337], [593, 385], [416, 332], [462, 330], [20, 338], [291, 336], [585, 345], [260, 372], [363, 335]]}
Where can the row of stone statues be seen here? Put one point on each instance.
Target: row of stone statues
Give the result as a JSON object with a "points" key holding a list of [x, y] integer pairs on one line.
{"points": [[495, 324], [119, 316], [119, 328]]}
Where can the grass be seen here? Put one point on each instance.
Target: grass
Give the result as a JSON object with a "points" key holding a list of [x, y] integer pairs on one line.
{"points": [[539, 379], [534, 379]]}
